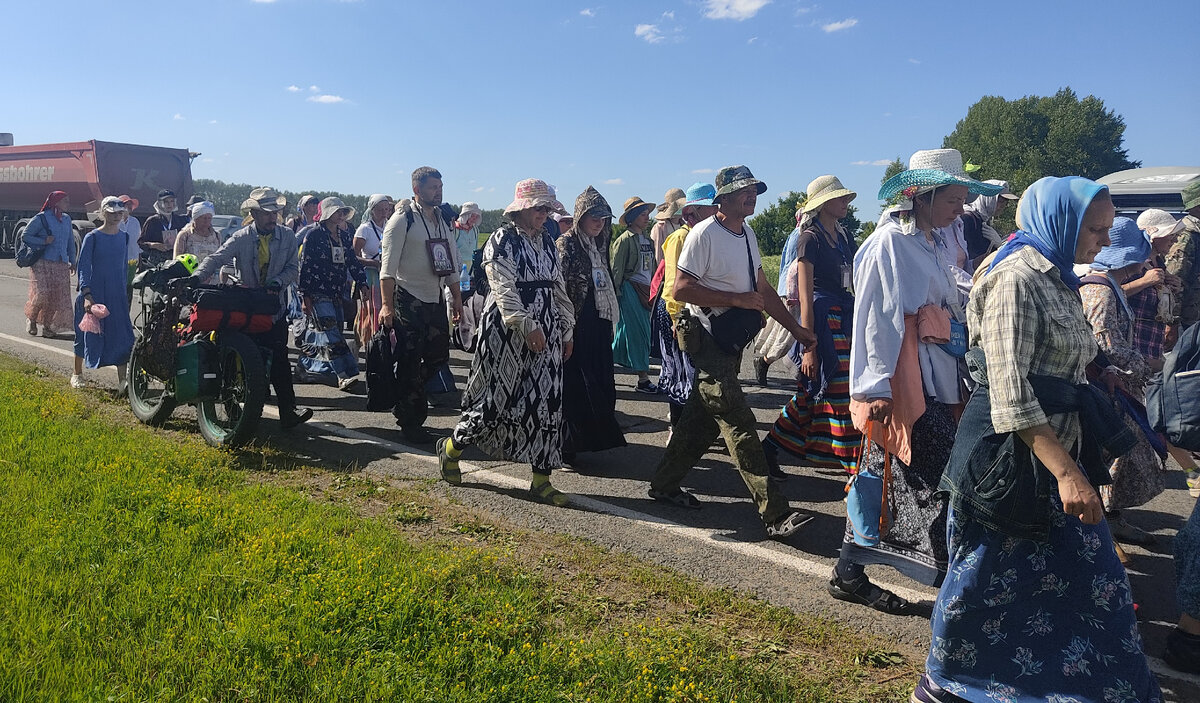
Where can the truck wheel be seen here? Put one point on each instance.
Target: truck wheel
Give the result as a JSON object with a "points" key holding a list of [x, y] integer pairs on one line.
{"points": [[150, 399], [230, 419]]}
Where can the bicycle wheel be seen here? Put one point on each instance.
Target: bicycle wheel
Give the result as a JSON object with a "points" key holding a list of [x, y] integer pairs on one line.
{"points": [[149, 398], [230, 418]]}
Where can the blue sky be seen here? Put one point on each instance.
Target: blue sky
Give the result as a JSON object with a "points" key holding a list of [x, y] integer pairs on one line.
{"points": [[632, 97]]}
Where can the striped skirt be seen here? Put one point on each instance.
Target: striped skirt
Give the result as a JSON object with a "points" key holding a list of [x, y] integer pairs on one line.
{"points": [[818, 429]]}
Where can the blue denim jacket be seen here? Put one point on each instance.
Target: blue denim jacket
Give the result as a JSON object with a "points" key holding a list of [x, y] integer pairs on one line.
{"points": [[995, 478]]}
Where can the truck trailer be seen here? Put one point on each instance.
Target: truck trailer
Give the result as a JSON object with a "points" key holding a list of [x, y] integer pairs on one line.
{"points": [[86, 171]]}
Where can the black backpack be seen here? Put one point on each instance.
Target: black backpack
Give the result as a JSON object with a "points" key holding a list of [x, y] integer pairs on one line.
{"points": [[1173, 397]]}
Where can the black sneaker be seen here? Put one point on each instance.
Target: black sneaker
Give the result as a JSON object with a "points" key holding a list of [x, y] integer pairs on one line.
{"points": [[760, 370], [772, 455], [1183, 651], [417, 435], [290, 418], [646, 387]]}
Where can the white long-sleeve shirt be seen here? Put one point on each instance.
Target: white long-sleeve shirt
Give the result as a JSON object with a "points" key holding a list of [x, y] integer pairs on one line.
{"points": [[895, 274]]}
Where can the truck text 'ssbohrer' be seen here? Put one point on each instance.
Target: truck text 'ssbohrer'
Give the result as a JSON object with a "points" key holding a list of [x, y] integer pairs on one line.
{"points": [[86, 171]]}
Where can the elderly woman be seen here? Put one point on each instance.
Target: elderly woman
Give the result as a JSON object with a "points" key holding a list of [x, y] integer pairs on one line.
{"points": [[1154, 294], [677, 374], [668, 217], [102, 266], [326, 260], [1035, 605], [512, 407], [815, 425], [633, 264], [198, 237], [49, 302], [589, 391], [904, 382], [368, 248], [1138, 475]]}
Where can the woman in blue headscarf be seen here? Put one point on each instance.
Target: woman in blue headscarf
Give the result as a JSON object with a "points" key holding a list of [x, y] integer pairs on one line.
{"points": [[1035, 605]]}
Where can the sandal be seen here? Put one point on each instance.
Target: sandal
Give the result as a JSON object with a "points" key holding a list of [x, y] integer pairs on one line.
{"points": [[451, 474], [863, 592], [788, 525], [549, 494], [679, 498]]}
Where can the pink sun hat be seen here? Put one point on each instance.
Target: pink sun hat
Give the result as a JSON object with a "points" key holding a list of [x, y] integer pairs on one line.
{"points": [[531, 193]]}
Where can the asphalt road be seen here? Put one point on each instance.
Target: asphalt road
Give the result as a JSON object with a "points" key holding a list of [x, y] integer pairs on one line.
{"points": [[723, 544]]}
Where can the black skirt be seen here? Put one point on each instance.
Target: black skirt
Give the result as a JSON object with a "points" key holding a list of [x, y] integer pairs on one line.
{"points": [[589, 389]]}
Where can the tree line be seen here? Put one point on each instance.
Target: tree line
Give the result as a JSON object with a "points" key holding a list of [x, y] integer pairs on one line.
{"points": [[1018, 141]]}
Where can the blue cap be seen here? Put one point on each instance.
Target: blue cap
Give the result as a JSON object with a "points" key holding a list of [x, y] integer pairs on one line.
{"points": [[700, 194]]}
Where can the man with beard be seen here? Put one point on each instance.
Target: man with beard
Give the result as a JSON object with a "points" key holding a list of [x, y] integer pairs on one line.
{"points": [[264, 253], [419, 258]]}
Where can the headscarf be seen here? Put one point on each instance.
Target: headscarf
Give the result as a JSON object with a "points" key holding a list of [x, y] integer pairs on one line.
{"points": [[372, 201], [158, 207], [202, 208], [985, 206], [52, 202], [590, 199], [1049, 215]]}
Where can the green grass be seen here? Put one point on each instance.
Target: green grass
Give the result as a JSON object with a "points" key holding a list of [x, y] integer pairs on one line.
{"points": [[143, 565]]}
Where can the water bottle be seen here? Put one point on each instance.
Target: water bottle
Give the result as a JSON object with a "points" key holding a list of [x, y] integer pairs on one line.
{"points": [[464, 279]]}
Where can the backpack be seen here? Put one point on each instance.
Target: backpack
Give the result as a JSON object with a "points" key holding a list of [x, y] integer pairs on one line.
{"points": [[479, 281], [25, 254], [1173, 397]]}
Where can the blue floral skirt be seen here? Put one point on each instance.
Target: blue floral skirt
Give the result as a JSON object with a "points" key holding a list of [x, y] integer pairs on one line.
{"points": [[1019, 620]]}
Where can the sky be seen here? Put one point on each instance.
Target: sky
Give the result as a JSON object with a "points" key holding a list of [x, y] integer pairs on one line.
{"points": [[633, 97]]}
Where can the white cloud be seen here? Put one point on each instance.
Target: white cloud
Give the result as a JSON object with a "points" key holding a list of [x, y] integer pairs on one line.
{"points": [[876, 162], [587, 12], [615, 182], [207, 160], [293, 89], [751, 40], [733, 9], [649, 32], [178, 117], [480, 189], [326, 99], [804, 10], [703, 171], [212, 121], [914, 61], [839, 26], [313, 89], [669, 15]]}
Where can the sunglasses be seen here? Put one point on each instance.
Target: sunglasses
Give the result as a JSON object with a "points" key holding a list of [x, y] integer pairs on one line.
{"points": [[541, 209]]}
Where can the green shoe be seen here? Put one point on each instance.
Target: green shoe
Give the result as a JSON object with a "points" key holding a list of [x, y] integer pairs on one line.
{"points": [[451, 474], [548, 494]]}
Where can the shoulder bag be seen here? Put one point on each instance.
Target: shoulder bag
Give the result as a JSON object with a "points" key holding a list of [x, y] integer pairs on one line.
{"points": [[733, 329]]}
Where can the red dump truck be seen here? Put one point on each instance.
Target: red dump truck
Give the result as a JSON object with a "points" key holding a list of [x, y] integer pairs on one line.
{"points": [[87, 171]]}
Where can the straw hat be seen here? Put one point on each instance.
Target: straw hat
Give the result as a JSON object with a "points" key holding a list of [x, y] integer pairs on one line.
{"points": [[331, 206], [933, 168], [822, 189], [1158, 223], [531, 193], [632, 207], [671, 206], [266, 199]]}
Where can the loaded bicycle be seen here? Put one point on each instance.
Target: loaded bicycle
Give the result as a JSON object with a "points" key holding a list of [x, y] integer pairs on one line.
{"points": [[193, 347]]}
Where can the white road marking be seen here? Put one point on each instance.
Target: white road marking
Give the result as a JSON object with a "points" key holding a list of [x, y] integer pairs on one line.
{"points": [[38, 345]]}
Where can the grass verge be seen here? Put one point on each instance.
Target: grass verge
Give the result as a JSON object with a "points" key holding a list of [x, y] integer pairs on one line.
{"points": [[138, 565]]}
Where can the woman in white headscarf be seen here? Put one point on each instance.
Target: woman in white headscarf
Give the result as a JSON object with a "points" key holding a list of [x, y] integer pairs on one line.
{"points": [[198, 237], [977, 222], [368, 245]]}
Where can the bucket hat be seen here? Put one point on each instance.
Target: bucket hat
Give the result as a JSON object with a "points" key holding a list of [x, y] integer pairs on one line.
{"points": [[1007, 193], [671, 206], [531, 193], [822, 189], [700, 194], [632, 206], [266, 199], [1191, 196], [933, 168], [733, 178], [470, 208], [1158, 223], [306, 199], [331, 206], [131, 203], [112, 204], [1128, 247]]}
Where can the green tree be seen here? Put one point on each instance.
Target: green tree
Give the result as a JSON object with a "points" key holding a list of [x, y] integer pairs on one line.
{"points": [[1022, 140], [773, 225]]}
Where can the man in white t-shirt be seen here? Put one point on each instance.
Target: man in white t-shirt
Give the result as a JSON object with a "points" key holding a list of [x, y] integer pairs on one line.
{"points": [[720, 271]]}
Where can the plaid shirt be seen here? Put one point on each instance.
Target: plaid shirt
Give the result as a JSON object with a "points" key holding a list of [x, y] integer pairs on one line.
{"points": [[1028, 322], [1148, 332]]}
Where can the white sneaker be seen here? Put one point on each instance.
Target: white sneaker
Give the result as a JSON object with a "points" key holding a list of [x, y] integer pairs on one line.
{"points": [[77, 381], [348, 384]]}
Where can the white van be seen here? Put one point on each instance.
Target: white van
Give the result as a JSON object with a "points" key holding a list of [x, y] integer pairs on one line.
{"points": [[1139, 189]]}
